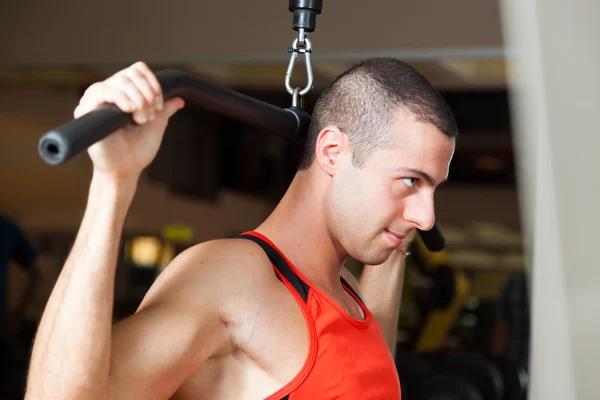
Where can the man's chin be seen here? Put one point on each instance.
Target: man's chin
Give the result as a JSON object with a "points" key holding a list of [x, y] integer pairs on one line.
{"points": [[377, 259]]}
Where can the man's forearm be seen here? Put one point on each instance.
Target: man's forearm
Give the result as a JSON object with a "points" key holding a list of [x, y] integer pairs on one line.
{"points": [[71, 353], [381, 287]]}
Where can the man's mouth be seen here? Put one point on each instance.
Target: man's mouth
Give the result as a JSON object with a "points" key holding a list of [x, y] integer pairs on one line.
{"points": [[395, 237]]}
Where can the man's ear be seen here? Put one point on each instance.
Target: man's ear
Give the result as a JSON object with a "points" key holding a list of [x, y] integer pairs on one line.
{"points": [[331, 144]]}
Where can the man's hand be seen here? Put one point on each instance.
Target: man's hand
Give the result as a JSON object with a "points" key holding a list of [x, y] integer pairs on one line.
{"points": [[128, 151]]}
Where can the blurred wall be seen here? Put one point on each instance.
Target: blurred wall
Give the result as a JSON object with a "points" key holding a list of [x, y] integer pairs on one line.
{"points": [[80, 32]]}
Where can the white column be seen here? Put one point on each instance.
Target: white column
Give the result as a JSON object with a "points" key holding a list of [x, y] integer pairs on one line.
{"points": [[554, 57]]}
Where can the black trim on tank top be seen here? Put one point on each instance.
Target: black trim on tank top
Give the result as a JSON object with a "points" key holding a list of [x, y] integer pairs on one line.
{"points": [[281, 265], [351, 289], [286, 397]]}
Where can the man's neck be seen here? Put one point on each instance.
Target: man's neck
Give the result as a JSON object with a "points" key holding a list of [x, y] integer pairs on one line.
{"points": [[298, 228]]}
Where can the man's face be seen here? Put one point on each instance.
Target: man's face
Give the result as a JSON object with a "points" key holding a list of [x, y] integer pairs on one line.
{"points": [[373, 207]]}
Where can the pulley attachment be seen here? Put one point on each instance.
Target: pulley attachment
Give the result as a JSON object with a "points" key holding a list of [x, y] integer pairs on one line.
{"points": [[304, 21]]}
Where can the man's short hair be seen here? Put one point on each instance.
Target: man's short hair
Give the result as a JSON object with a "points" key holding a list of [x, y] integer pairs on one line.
{"points": [[363, 102]]}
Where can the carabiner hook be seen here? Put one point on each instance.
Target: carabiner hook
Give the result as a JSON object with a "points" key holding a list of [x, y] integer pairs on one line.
{"points": [[290, 69]]}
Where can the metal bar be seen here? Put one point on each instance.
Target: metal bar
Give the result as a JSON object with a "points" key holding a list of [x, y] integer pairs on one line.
{"points": [[61, 144]]}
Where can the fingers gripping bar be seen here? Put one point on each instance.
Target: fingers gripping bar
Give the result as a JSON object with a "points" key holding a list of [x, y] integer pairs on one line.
{"points": [[61, 144]]}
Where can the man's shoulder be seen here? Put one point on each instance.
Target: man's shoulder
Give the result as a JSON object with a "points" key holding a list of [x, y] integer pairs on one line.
{"points": [[236, 263], [227, 252], [210, 275]]}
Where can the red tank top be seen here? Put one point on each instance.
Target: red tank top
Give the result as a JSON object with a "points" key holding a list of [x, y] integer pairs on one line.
{"points": [[347, 358]]}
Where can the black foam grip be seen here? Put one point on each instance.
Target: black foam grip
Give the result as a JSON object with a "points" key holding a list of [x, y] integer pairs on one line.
{"points": [[433, 239], [61, 144]]}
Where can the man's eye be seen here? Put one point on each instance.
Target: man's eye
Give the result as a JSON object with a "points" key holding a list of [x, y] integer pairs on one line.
{"points": [[409, 181]]}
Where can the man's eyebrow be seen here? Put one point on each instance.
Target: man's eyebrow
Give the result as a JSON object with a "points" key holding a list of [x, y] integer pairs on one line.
{"points": [[428, 178]]}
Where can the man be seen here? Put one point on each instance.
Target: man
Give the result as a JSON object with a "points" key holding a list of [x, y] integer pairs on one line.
{"points": [[266, 315]]}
